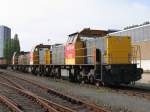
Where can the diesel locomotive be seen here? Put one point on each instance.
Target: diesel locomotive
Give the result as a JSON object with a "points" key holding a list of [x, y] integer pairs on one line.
{"points": [[89, 56]]}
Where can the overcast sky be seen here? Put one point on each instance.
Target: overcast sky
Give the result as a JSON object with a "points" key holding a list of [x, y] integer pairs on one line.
{"points": [[36, 21]]}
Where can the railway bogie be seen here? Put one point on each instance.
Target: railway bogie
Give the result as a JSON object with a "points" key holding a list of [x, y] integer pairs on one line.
{"points": [[110, 74]]}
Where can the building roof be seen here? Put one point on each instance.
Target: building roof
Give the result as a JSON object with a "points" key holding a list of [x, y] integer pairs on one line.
{"points": [[5, 27], [43, 46], [130, 29], [87, 32]]}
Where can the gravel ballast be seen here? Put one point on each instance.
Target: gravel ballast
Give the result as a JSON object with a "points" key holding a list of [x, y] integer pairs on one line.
{"points": [[103, 97]]}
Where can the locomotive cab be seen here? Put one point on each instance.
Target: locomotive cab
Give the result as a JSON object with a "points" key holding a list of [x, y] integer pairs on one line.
{"points": [[74, 51], [41, 54], [76, 47]]}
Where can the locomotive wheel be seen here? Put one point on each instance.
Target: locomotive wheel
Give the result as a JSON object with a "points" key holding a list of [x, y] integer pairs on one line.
{"points": [[91, 79], [47, 72], [78, 78], [36, 71], [100, 83], [71, 77], [59, 73]]}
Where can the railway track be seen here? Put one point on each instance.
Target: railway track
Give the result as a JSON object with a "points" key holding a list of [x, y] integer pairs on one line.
{"points": [[50, 97], [7, 105], [22, 101], [127, 90], [133, 91]]}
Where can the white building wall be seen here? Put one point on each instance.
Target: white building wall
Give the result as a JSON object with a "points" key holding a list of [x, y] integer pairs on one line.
{"points": [[145, 64]]}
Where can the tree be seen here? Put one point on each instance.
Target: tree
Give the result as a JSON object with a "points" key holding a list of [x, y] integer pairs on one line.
{"points": [[16, 43], [11, 46], [7, 50]]}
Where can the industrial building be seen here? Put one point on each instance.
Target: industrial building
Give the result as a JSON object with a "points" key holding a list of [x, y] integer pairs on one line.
{"points": [[5, 33], [140, 36]]}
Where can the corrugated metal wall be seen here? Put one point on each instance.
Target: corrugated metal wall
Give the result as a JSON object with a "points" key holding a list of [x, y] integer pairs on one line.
{"points": [[138, 34]]}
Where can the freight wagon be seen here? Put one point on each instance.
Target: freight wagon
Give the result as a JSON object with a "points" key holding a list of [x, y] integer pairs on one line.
{"points": [[88, 56]]}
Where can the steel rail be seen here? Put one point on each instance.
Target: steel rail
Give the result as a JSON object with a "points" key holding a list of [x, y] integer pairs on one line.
{"points": [[31, 96], [10, 104]]}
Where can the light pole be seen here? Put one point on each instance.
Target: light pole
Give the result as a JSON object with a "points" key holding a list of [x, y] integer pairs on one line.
{"points": [[49, 40]]}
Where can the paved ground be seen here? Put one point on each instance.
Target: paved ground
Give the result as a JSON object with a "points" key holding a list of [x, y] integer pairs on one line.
{"points": [[145, 81], [145, 78]]}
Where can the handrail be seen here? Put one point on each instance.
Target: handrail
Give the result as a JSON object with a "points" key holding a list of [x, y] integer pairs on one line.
{"points": [[135, 55]]}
